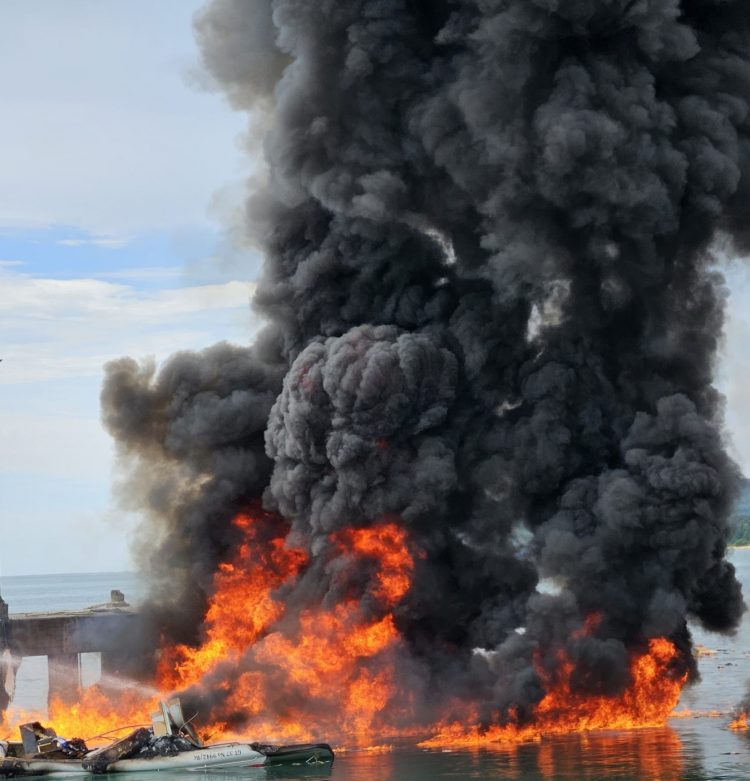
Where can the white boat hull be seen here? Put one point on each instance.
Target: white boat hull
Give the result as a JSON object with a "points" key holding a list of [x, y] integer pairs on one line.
{"points": [[216, 756], [221, 755], [46, 767]]}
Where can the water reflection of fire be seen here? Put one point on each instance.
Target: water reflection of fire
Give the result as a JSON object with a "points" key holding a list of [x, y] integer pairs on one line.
{"points": [[336, 666], [649, 755]]}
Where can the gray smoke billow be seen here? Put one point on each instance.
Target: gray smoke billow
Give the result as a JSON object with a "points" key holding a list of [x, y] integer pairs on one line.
{"points": [[492, 312]]}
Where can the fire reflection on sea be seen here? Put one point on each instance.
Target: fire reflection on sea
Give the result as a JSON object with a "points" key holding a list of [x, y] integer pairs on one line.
{"points": [[645, 754]]}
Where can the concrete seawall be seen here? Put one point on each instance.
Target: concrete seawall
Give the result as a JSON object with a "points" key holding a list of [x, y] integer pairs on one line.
{"points": [[122, 635]]}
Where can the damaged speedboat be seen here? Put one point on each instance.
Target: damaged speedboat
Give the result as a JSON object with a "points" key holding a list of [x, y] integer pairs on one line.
{"points": [[169, 743]]}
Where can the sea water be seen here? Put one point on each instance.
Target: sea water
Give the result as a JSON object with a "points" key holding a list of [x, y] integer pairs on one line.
{"points": [[698, 746]]}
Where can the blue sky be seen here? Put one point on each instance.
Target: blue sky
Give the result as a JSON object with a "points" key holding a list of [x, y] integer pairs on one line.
{"points": [[119, 173]]}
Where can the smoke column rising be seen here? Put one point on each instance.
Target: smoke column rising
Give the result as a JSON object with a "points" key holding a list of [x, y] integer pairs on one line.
{"points": [[491, 313]]}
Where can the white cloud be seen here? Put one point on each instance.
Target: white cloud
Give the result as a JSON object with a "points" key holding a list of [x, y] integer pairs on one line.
{"points": [[100, 134], [56, 461], [97, 241], [66, 328], [143, 273]]}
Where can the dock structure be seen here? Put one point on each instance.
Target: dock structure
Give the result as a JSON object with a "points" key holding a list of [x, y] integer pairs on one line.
{"points": [[115, 630]]}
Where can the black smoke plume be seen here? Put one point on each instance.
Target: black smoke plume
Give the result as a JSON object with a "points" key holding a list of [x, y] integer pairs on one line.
{"points": [[492, 312]]}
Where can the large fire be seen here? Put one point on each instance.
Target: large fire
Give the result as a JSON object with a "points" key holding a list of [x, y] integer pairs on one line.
{"points": [[240, 610], [331, 670], [647, 702], [337, 664]]}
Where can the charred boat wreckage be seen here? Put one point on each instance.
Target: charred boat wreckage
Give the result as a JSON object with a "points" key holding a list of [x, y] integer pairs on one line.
{"points": [[169, 743]]}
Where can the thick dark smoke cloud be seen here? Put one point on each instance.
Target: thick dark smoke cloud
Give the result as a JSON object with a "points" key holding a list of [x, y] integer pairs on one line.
{"points": [[492, 313], [193, 441], [355, 432]]}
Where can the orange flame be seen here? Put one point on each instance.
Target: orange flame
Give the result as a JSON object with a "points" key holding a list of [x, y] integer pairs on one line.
{"points": [[331, 670], [739, 722], [94, 714], [240, 610], [387, 545], [647, 702], [338, 665]]}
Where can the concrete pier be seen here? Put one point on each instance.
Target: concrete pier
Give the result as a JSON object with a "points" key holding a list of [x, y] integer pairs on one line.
{"points": [[115, 630]]}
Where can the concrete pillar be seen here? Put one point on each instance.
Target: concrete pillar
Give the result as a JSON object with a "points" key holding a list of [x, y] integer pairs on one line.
{"points": [[64, 672], [7, 664], [8, 668]]}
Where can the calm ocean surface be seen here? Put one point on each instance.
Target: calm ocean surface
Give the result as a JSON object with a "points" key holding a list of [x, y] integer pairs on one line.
{"points": [[696, 748]]}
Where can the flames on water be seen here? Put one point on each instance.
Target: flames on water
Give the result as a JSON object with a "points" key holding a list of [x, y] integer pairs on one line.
{"points": [[647, 702], [341, 660], [739, 722], [338, 660]]}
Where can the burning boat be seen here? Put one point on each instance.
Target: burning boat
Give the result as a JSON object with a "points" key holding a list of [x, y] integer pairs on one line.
{"points": [[169, 743]]}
